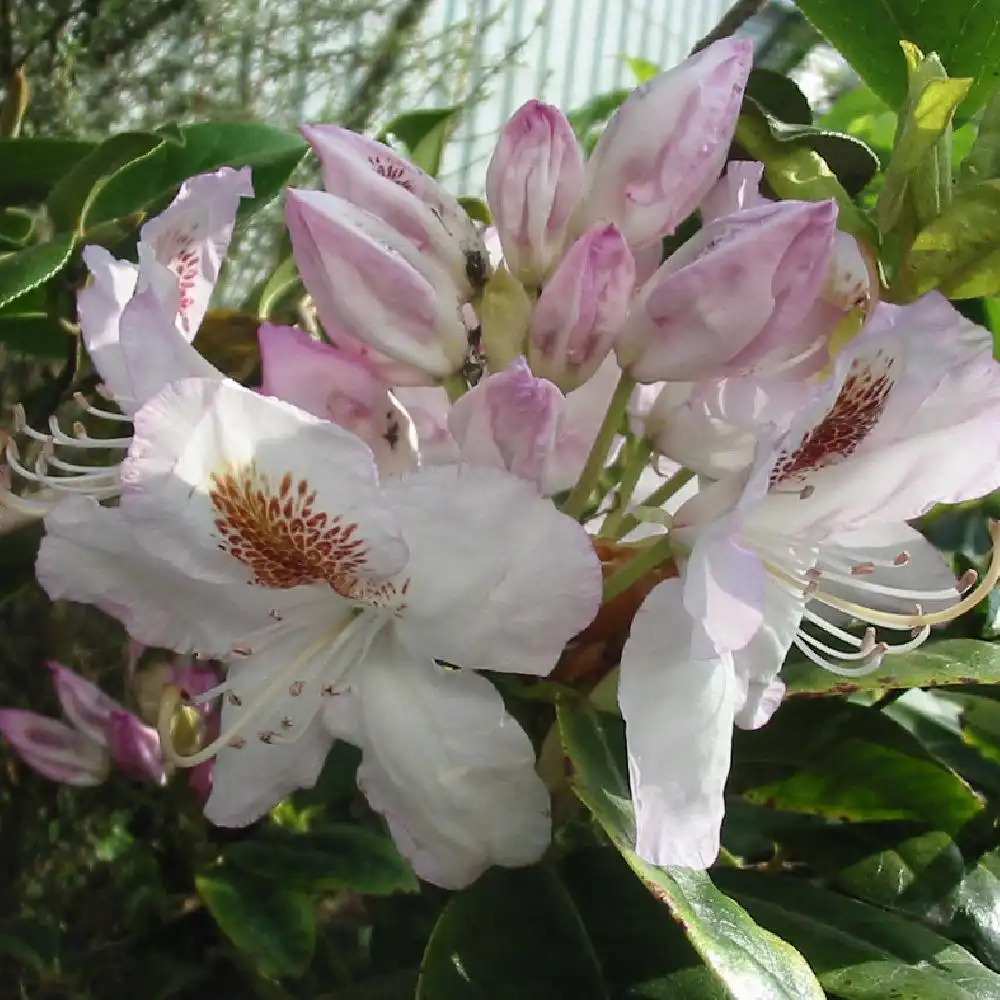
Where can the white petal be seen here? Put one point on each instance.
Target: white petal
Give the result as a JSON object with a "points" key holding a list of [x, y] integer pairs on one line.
{"points": [[231, 485], [678, 714], [499, 579], [451, 771], [90, 554]]}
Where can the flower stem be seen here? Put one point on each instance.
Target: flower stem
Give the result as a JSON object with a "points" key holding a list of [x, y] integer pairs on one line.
{"points": [[657, 498], [577, 500], [637, 461], [648, 559]]}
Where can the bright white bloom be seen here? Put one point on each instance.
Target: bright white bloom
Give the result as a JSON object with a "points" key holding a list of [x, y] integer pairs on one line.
{"points": [[346, 608], [137, 323], [813, 535]]}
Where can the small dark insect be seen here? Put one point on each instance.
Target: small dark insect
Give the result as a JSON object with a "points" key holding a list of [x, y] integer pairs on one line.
{"points": [[475, 267]]}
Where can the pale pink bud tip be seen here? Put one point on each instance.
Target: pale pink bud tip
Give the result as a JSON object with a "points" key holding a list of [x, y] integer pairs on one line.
{"points": [[135, 748]]}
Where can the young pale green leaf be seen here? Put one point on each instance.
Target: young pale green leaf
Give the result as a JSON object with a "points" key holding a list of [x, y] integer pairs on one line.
{"points": [[69, 197], [983, 160], [477, 210], [747, 960], [423, 134], [796, 171], [964, 33], [274, 927], [26, 269], [861, 952], [30, 167], [642, 69], [959, 252], [336, 857], [282, 282], [145, 184], [845, 761], [513, 935], [951, 661]]}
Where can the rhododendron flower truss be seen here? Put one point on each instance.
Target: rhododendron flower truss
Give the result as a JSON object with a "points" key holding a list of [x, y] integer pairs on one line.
{"points": [[137, 322], [347, 608], [793, 550]]}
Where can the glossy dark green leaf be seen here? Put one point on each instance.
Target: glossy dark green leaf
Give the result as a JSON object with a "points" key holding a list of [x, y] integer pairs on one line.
{"points": [[146, 183], [951, 661], [779, 96], [18, 552], [26, 269], [642, 951], [513, 935], [846, 761], [16, 227], [747, 960], [274, 927], [30, 167], [977, 918], [336, 857], [964, 33], [34, 333], [861, 952], [69, 197], [423, 134]]}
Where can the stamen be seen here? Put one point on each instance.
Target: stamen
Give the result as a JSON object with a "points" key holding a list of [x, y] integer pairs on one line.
{"points": [[869, 666], [88, 407], [866, 646]]}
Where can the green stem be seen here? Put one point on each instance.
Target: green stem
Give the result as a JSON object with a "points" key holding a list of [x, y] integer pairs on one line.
{"points": [[657, 498], [637, 461], [576, 503], [647, 560]]}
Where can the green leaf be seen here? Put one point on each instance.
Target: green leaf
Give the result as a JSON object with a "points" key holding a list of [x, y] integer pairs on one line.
{"points": [[982, 162], [423, 134], [747, 960], [26, 269], [951, 661], [642, 69], [18, 553], [959, 252], [275, 927], [858, 951], [68, 199], [779, 96], [34, 333], [477, 209], [964, 33], [280, 284], [589, 119], [977, 919], [642, 951], [336, 857], [16, 227], [835, 759], [513, 934], [146, 183], [29, 167]]}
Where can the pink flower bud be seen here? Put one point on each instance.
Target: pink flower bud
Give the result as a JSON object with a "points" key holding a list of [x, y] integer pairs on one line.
{"points": [[533, 185], [325, 381], [734, 294], [664, 148], [371, 282], [509, 421], [428, 408], [53, 749], [370, 175], [135, 747], [86, 706], [581, 308]]}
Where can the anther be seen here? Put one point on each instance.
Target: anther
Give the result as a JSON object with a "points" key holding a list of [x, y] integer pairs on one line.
{"points": [[237, 743], [806, 492], [901, 558], [967, 581], [241, 650]]}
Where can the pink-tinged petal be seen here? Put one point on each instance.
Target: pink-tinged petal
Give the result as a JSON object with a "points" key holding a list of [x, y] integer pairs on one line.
{"points": [[84, 704], [443, 761], [533, 185], [190, 239], [428, 408], [53, 749], [761, 702], [90, 554], [327, 382], [99, 309], [678, 713], [508, 421], [135, 748], [229, 485], [581, 308], [665, 146], [724, 589], [370, 281], [850, 282], [499, 579], [735, 293], [200, 781], [909, 419], [370, 175], [737, 189]]}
